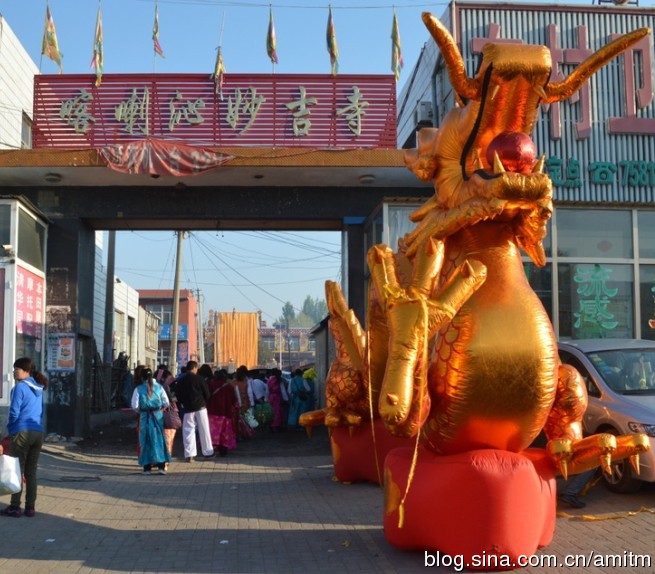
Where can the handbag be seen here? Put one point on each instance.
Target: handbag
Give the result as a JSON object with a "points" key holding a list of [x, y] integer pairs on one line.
{"points": [[172, 419], [10, 476]]}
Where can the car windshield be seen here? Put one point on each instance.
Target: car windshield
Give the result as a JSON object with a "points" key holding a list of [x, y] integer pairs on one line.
{"points": [[627, 371]]}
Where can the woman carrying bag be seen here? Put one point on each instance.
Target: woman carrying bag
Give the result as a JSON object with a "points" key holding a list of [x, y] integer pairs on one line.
{"points": [[25, 427]]}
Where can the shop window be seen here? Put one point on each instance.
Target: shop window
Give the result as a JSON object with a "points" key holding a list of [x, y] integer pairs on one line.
{"points": [[595, 300], [399, 223], [647, 299], [646, 221], [541, 281], [29, 346], [594, 233], [5, 224], [26, 132], [31, 240]]}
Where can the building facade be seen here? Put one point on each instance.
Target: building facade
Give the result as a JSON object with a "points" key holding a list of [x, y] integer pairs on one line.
{"points": [[160, 303], [17, 71], [599, 146], [148, 339], [288, 349]]}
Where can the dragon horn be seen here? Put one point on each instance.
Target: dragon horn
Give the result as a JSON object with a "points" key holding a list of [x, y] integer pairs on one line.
{"points": [[463, 85], [559, 91]]}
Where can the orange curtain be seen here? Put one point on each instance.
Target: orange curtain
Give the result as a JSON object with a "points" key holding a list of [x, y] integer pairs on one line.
{"points": [[237, 340]]}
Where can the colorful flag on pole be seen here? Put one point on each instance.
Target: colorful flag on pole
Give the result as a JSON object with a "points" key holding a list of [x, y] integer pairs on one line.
{"points": [[50, 46], [396, 49], [332, 47], [219, 73], [271, 40], [97, 61], [155, 33]]}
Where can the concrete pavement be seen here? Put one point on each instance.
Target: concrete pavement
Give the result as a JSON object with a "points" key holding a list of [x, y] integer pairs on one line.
{"points": [[269, 507]]}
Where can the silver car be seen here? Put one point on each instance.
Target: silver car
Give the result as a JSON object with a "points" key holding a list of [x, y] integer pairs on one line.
{"points": [[620, 379]]}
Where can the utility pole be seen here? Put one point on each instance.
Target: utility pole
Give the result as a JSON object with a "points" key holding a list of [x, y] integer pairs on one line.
{"points": [[176, 303], [280, 347], [288, 344], [201, 332]]}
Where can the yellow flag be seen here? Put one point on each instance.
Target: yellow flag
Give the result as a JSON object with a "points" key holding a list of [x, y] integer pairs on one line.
{"points": [[50, 46]]}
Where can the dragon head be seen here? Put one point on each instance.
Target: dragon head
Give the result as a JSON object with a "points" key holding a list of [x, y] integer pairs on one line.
{"points": [[483, 149]]}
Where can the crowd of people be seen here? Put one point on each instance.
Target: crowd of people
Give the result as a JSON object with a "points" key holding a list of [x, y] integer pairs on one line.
{"points": [[214, 409]]}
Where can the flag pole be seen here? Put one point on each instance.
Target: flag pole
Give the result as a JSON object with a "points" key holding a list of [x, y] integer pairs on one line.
{"points": [[41, 58], [154, 49], [220, 37]]}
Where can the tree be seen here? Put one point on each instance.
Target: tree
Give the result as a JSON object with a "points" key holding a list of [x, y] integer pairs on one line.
{"points": [[288, 314], [265, 355], [314, 308]]}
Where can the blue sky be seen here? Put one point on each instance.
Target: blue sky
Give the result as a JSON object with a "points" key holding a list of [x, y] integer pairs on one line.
{"points": [[248, 271]]}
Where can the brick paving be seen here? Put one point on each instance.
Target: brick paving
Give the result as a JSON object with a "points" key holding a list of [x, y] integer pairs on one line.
{"points": [[269, 507]]}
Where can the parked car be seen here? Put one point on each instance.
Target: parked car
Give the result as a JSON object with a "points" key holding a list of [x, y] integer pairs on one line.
{"points": [[620, 379]]}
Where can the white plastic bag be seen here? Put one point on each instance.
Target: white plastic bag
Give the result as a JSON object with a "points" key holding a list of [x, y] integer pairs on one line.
{"points": [[249, 415], [10, 477]]}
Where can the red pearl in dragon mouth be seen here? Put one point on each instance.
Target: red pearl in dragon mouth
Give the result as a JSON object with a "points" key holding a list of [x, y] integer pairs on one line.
{"points": [[515, 150]]}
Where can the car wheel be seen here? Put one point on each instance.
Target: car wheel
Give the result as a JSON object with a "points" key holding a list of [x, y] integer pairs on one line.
{"points": [[621, 479]]}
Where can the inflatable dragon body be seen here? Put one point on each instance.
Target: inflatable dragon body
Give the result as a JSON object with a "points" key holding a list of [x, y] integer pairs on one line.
{"points": [[457, 345]]}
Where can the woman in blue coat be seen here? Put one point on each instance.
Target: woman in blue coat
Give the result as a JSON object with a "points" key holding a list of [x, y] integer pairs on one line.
{"points": [[25, 427]]}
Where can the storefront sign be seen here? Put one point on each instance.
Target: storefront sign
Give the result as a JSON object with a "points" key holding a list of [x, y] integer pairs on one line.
{"points": [[255, 110], [61, 352], [166, 331], [570, 173], [29, 303]]}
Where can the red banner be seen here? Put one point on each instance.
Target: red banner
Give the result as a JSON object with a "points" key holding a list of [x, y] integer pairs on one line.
{"points": [[157, 157], [29, 303]]}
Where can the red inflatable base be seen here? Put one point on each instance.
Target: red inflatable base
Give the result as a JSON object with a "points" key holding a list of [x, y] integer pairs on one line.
{"points": [[354, 454], [484, 507]]}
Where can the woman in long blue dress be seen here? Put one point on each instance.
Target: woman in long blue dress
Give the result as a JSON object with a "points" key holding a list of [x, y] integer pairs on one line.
{"points": [[149, 400], [299, 395]]}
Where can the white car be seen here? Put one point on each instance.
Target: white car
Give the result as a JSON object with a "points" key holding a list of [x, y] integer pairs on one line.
{"points": [[620, 379]]}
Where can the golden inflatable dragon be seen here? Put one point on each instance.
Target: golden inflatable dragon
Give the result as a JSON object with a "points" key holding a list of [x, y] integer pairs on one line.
{"points": [[470, 361]]}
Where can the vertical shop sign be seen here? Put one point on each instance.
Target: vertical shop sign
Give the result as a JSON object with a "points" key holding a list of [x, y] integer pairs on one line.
{"points": [[593, 316], [29, 303]]}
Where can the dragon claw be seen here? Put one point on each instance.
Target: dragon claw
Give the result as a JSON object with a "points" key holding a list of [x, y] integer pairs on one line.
{"points": [[606, 462]]}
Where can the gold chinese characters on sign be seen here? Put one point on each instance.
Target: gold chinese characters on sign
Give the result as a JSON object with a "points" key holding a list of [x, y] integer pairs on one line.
{"points": [[243, 107]]}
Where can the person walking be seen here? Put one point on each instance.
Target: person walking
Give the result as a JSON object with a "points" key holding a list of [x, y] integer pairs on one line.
{"points": [[167, 379], [275, 399], [25, 428], [222, 407], [300, 391], [149, 400], [192, 392]]}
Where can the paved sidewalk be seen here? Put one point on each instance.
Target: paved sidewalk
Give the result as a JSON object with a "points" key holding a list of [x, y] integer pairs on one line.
{"points": [[269, 507]]}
